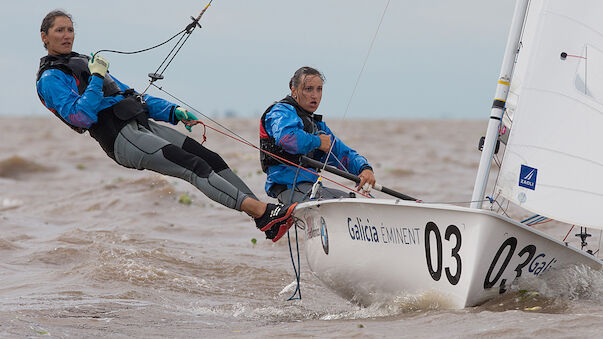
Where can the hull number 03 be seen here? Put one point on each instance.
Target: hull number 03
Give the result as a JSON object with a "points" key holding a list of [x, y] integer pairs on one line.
{"points": [[529, 261], [453, 235]]}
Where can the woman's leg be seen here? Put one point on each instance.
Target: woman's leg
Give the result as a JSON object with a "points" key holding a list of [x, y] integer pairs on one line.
{"points": [[137, 147], [213, 159]]}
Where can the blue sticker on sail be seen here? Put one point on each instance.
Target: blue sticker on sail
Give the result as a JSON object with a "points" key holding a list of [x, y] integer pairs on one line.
{"points": [[527, 177]]}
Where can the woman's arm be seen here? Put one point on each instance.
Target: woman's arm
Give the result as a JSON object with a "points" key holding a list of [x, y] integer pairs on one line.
{"points": [[287, 129], [59, 93]]}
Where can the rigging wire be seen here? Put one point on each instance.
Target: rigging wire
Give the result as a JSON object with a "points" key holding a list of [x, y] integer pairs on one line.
{"points": [[368, 53], [318, 181]]}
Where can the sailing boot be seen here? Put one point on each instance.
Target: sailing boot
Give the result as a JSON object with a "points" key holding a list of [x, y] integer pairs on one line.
{"points": [[276, 220]]}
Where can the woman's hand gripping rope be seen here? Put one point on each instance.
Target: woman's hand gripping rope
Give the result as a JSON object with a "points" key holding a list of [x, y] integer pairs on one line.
{"points": [[187, 118], [98, 65]]}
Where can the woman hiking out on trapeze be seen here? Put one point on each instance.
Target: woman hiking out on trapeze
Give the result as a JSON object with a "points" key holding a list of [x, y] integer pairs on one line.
{"points": [[80, 91]]}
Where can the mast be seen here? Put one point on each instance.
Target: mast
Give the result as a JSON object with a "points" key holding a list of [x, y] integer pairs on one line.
{"points": [[500, 97]]}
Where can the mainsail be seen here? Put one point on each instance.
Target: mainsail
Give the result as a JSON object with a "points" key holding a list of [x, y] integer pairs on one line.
{"points": [[553, 161]]}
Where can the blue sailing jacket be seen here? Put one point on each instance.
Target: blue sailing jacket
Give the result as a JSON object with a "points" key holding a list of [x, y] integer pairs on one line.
{"points": [[59, 92], [284, 125]]}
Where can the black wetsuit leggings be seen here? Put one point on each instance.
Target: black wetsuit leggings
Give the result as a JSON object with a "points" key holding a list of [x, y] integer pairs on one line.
{"points": [[164, 150]]}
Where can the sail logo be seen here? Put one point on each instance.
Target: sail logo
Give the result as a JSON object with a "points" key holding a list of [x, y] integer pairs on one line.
{"points": [[527, 177]]}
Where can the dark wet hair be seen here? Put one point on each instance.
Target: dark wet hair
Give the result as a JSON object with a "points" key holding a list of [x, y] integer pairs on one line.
{"points": [[306, 70], [48, 20]]}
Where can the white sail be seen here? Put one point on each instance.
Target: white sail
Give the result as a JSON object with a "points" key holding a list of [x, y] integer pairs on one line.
{"points": [[553, 161]]}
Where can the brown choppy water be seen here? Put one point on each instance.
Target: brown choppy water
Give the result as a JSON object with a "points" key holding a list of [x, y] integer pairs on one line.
{"points": [[92, 249]]}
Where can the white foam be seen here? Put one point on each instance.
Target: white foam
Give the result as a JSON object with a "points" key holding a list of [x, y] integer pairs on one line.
{"points": [[288, 288], [10, 203], [572, 283]]}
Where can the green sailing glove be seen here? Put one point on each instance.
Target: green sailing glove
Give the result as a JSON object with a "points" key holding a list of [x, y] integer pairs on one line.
{"points": [[184, 115], [98, 65]]}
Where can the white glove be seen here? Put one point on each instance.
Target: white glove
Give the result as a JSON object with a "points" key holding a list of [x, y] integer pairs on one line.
{"points": [[98, 65]]}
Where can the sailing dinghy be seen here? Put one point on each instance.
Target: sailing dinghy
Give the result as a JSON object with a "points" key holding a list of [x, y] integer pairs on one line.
{"points": [[550, 92]]}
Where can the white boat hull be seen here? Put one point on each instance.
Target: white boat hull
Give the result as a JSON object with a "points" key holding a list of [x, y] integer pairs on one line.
{"points": [[365, 249]]}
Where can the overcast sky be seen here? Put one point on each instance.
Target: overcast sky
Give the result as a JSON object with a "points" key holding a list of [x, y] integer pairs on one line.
{"points": [[431, 58]]}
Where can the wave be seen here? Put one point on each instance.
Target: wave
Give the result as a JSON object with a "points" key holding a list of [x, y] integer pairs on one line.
{"points": [[555, 292], [7, 245], [17, 167], [121, 195], [157, 185], [573, 282], [60, 256], [149, 268]]}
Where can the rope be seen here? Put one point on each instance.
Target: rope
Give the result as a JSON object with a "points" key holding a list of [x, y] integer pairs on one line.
{"points": [[568, 232], [140, 50], [296, 269], [157, 75], [501, 208], [287, 162], [241, 139]]}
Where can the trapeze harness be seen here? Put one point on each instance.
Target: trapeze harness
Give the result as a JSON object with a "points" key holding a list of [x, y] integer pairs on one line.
{"points": [[111, 119]]}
